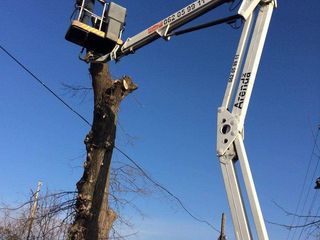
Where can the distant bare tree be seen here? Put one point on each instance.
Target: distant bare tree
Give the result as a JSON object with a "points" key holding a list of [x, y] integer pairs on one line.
{"points": [[51, 221], [56, 211]]}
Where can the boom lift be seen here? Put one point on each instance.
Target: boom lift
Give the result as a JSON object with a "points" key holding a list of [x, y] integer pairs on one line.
{"points": [[256, 15]]}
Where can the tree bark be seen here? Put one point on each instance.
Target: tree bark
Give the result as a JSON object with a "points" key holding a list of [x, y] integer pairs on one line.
{"points": [[94, 217]]}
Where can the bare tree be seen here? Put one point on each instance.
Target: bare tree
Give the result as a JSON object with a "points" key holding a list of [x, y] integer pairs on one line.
{"points": [[51, 220], [309, 224], [56, 211], [102, 191], [94, 217]]}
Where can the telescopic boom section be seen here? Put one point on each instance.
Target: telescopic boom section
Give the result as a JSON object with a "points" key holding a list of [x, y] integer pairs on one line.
{"points": [[231, 118], [167, 25]]}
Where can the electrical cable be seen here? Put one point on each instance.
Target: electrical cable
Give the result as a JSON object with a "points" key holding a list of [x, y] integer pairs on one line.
{"points": [[302, 189], [314, 219], [118, 149], [300, 196], [44, 85], [314, 199], [311, 183], [166, 190], [305, 223]]}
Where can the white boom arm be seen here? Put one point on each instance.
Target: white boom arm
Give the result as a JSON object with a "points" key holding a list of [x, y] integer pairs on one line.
{"points": [[171, 23], [231, 115], [163, 28]]}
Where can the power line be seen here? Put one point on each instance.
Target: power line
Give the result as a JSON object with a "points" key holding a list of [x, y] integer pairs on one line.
{"points": [[122, 152], [314, 220], [314, 199], [312, 181], [167, 191], [44, 85], [302, 189]]}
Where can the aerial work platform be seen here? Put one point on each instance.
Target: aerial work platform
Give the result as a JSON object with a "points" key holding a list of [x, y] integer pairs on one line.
{"points": [[89, 37], [97, 33]]}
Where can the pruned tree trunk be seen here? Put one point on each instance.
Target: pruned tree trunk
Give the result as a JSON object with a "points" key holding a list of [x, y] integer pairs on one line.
{"points": [[94, 217]]}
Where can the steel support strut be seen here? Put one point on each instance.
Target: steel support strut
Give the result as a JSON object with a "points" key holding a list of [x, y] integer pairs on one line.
{"points": [[231, 116]]}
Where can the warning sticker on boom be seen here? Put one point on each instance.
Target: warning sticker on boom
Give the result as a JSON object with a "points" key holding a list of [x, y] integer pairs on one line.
{"points": [[155, 27]]}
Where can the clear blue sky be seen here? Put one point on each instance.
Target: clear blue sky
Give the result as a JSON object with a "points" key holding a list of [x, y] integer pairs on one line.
{"points": [[182, 83]]}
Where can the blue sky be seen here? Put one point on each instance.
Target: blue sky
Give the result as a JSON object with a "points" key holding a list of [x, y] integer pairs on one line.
{"points": [[181, 84]]}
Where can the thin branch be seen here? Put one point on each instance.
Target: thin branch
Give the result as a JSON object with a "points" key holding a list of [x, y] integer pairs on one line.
{"points": [[158, 185], [295, 226]]}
